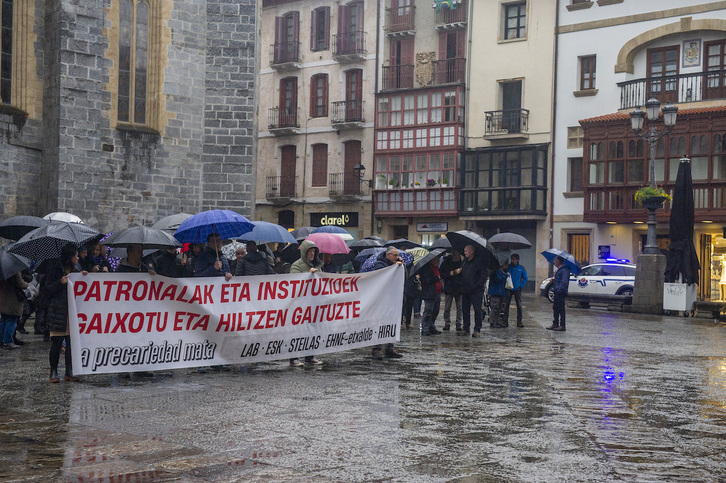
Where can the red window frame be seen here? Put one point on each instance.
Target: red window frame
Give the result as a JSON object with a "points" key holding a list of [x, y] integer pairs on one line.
{"points": [[318, 44], [319, 95]]}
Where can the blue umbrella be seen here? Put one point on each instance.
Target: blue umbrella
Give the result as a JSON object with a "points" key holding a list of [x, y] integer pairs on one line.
{"points": [[367, 252], [228, 224], [334, 229], [570, 261], [368, 264], [266, 232]]}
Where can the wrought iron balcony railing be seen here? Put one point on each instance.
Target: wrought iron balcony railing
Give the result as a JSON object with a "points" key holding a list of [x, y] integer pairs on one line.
{"points": [[283, 117], [347, 112], [344, 184], [511, 121], [284, 53], [397, 77], [400, 19], [698, 86], [447, 16], [281, 187], [349, 43], [449, 71]]}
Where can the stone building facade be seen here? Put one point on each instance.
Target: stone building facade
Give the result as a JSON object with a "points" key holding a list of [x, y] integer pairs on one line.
{"points": [[125, 111]]}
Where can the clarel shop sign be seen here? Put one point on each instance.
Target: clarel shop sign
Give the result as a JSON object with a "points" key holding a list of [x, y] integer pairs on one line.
{"points": [[344, 220]]}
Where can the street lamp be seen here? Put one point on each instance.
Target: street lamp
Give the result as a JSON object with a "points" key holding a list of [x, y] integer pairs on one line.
{"points": [[652, 136]]}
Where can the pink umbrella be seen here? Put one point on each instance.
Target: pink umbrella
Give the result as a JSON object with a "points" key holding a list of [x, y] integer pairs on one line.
{"points": [[328, 243]]}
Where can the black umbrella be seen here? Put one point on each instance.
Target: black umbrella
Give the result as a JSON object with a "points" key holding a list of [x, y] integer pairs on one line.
{"points": [[376, 238], [148, 238], [441, 242], [681, 259], [401, 244], [302, 232], [509, 241], [291, 253], [462, 238], [437, 252], [11, 264], [48, 241], [16, 227], [172, 222], [365, 243]]}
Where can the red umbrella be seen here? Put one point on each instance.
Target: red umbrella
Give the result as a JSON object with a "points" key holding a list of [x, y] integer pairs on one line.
{"points": [[328, 243]]}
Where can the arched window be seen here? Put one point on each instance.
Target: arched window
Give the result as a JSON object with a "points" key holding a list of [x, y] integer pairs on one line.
{"points": [[133, 50]]}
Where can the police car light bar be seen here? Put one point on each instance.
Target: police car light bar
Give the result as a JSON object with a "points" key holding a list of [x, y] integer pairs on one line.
{"points": [[617, 260]]}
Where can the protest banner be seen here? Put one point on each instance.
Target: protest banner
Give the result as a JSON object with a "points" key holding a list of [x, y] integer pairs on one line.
{"points": [[128, 322]]}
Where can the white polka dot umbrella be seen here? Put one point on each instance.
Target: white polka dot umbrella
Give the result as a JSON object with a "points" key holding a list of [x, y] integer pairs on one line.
{"points": [[48, 241]]}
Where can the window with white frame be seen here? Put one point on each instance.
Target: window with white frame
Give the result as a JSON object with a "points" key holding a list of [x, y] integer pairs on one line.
{"points": [[421, 138], [395, 141], [382, 140], [407, 139], [409, 110], [422, 108]]}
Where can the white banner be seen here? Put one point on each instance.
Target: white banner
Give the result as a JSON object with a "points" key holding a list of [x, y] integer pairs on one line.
{"points": [[127, 322]]}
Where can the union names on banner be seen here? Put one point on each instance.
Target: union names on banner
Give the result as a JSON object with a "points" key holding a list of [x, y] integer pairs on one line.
{"points": [[127, 322]]}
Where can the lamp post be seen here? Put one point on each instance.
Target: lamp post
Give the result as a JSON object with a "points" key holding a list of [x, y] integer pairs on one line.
{"points": [[652, 136], [360, 172]]}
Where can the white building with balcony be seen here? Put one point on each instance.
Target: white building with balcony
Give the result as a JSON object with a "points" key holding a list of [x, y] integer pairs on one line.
{"points": [[612, 56]]}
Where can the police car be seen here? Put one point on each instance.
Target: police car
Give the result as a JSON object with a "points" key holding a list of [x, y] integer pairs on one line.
{"points": [[612, 277]]}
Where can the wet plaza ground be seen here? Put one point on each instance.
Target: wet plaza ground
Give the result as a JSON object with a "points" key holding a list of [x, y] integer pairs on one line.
{"points": [[618, 397]]}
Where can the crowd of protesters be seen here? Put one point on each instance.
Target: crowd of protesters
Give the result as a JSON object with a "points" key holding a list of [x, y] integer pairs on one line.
{"points": [[466, 284]]}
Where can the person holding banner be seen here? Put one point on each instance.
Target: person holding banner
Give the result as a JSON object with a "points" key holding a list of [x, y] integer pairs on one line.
{"points": [[309, 262], [55, 289], [386, 259], [211, 262]]}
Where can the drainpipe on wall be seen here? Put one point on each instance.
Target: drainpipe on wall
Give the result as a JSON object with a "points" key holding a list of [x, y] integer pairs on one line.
{"points": [[375, 91], [554, 124]]}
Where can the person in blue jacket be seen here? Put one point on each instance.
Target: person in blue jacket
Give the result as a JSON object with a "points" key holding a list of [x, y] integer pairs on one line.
{"points": [[560, 285], [519, 281], [497, 295]]}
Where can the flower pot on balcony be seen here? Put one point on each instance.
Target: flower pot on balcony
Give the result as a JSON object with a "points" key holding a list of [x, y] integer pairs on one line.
{"points": [[654, 202]]}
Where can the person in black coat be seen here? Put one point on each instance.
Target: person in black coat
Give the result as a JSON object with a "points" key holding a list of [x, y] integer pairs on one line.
{"points": [[168, 264], [55, 288], [452, 288], [411, 291], [561, 284], [474, 275], [254, 263]]}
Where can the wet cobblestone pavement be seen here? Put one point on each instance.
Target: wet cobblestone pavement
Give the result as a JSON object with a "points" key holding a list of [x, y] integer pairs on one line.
{"points": [[618, 397]]}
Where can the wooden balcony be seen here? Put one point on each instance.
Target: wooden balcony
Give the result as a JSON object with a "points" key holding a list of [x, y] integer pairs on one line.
{"points": [[617, 203], [699, 86]]}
